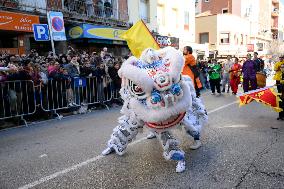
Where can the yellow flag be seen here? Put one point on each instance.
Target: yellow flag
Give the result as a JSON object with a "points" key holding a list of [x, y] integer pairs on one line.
{"points": [[139, 38]]}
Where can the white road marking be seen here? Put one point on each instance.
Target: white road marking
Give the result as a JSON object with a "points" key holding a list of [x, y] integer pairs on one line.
{"points": [[94, 159], [43, 155], [233, 126], [222, 107], [74, 167]]}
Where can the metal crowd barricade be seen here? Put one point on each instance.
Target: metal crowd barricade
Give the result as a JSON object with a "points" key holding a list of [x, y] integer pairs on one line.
{"points": [[64, 94], [21, 98], [17, 99], [55, 94]]}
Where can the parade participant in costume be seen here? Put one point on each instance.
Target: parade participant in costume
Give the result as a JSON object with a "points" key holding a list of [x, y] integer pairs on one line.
{"points": [[279, 77], [214, 76], [235, 76], [226, 75], [190, 69], [156, 95], [249, 74]]}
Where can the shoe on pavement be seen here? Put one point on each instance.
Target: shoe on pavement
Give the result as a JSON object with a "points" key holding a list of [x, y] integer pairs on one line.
{"points": [[195, 145], [180, 166], [213, 93], [151, 135], [107, 151]]}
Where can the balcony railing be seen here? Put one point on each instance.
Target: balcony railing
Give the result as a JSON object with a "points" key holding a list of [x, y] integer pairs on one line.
{"points": [[24, 5], [72, 9], [87, 10]]}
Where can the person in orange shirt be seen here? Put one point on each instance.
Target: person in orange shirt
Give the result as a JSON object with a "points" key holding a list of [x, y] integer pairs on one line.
{"points": [[190, 69]]}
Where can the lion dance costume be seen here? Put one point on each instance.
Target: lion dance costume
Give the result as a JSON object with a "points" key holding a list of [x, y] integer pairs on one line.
{"points": [[157, 96]]}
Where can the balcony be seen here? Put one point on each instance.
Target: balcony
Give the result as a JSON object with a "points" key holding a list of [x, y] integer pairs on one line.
{"points": [[275, 13], [85, 10], [38, 6], [274, 27], [73, 10]]}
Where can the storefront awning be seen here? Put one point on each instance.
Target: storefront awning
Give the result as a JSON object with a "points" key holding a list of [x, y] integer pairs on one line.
{"points": [[94, 32]]}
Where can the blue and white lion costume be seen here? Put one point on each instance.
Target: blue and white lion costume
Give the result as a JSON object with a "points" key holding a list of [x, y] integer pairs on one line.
{"points": [[157, 96]]}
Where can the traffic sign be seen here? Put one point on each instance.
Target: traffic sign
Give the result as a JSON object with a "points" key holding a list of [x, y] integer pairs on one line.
{"points": [[56, 24], [41, 32]]}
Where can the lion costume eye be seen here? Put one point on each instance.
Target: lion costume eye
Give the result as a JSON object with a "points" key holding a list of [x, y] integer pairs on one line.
{"points": [[136, 90]]}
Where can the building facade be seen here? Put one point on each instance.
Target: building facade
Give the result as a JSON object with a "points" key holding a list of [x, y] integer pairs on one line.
{"points": [[177, 20], [172, 24], [222, 33], [264, 17], [145, 10], [104, 20]]}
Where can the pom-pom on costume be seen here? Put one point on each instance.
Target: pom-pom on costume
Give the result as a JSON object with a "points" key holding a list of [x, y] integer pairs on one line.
{"points": [[157, 96]]}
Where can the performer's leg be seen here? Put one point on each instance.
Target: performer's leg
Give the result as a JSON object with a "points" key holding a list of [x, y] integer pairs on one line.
{"points": [[253, 84], [217, 84], [234, 86], [172, 150], [192, 131], [151, 135], [246, 85], [212, 86], [123, 134]]}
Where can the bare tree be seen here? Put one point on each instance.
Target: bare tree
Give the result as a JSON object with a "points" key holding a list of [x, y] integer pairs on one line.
{"points": [[276, 48]]}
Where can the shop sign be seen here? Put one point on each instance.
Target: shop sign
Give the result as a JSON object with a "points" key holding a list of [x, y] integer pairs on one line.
{"points": [[17, 22], [9, 51], [165, 41], [95, 32], [250, 47]]}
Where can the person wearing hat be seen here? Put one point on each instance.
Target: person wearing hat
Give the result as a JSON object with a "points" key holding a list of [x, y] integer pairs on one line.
{"points": [[279, 77]]}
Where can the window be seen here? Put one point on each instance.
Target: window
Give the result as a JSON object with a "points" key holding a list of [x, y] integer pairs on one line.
{"points": [[225, 11], [161, 15], [224, 38], [242, 39], [186, 20], [203, 38], [144, 11], [174, 17]]}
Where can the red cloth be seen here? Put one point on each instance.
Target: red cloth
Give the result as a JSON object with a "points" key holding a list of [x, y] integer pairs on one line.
{"points": [[235, 77]]}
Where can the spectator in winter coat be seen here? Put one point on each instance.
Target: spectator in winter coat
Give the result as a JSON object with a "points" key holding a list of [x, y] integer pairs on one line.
{"points": [[73, 67], [86, 70], [100, 74]]}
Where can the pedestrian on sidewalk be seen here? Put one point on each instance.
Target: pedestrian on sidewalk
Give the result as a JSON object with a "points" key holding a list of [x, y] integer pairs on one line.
{"points": [[214, 70], [249, 74], [235, 73], [225, 73]]}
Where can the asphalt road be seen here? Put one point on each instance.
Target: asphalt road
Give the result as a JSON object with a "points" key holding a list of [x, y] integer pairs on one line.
{"points": [[240, 150]]}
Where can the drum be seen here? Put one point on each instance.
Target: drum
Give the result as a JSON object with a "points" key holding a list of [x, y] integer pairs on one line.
{"points": [[261, 79]]}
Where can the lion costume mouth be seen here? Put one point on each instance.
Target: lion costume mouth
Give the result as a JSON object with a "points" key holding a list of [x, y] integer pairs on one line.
{"points": [[172, 121]]}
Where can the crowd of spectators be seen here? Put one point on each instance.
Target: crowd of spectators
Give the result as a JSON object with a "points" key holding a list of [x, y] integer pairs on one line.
{"points": [[43, 71]]}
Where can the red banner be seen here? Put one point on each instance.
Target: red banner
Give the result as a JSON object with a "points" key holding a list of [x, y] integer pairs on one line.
{"points": [[266, 96]]}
